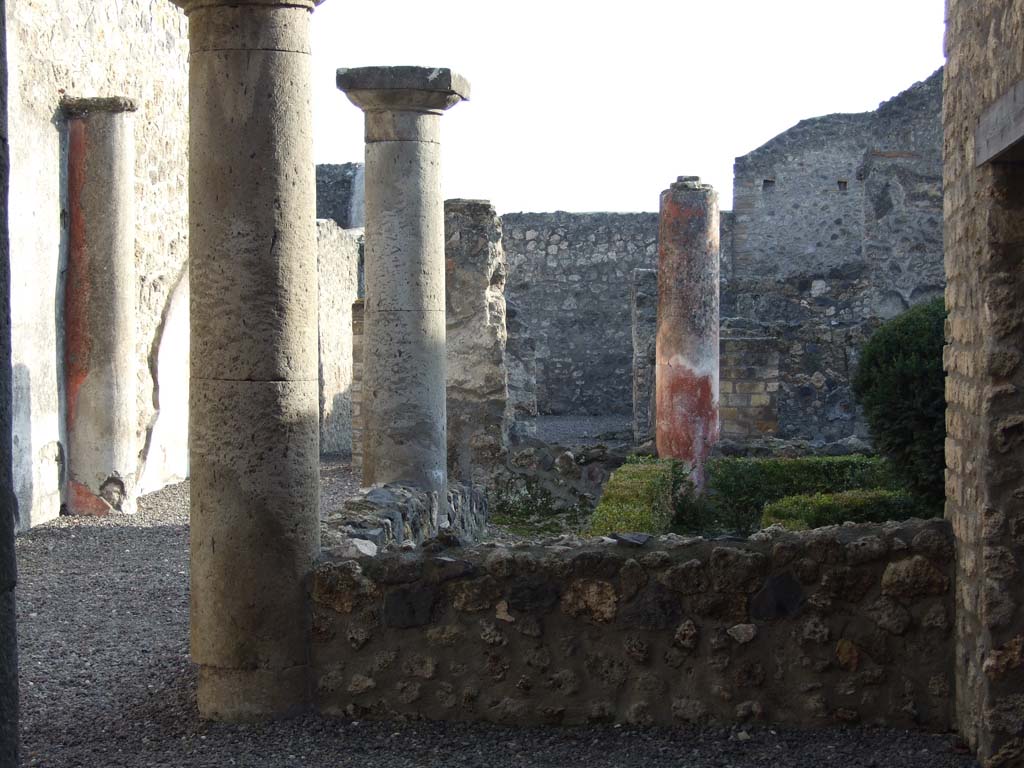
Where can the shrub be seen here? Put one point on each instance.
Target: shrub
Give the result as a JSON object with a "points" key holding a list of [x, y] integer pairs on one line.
{"points": [[737, 489], [861, 506], [640, 496], [900, 384]]}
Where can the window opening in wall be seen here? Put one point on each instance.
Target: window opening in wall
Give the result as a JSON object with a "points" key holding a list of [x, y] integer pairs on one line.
{"points": [[842, 185], [767, 185]]}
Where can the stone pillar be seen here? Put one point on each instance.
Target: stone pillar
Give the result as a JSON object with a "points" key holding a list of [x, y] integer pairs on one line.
{"points": [[644, 310], [686, 375], [99, 306], [8, 507], [478, 405], [404, 344], [253, 422], [357, 387]]}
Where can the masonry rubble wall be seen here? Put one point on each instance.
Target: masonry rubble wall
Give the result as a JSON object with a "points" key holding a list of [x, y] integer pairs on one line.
{"points": [[837, 625], [644, 306], [836, 226], [143, 56], [340, 194], [338, 253], [569, 278], [984, 229], [478, 410], [521, 361]]}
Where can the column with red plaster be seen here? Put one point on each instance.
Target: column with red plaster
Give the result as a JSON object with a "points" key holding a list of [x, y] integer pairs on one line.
{"points": [[686, 375], [99, 306]]}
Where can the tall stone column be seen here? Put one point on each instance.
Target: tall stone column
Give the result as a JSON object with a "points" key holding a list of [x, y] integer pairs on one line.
{"points": [[404, 344], [253, 422], [99, 306], [686, 374]]}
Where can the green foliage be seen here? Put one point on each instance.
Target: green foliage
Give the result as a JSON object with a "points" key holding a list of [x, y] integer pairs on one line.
{"points": [[900, 383], [737, 489], [640, 496], [861, 506]]}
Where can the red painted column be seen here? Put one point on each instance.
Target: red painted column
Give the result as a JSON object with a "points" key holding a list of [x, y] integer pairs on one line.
{"points": [[686, 375], [99, 306]]}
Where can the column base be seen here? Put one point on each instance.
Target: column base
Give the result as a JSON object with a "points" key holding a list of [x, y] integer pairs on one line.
{"points": [[247, 695]]}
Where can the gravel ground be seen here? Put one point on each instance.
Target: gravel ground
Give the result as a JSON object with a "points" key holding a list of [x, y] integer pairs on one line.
{"points": [[106, 681], [580, 430]]}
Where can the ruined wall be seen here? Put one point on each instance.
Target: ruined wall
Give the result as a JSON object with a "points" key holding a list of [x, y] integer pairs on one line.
{"points": [[135, 48], [836, 225], [644, 307], [340, 195], [337, 266], [569, 278], [985, 382], [477, 374], [748, 383], [838, 625]]}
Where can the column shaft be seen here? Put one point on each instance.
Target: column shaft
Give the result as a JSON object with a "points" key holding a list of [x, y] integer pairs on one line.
{"points": [[99, 306], [254, 433], [403, 387], [686, 374]]}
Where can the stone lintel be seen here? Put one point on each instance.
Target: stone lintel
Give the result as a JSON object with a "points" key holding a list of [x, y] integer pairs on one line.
{"points": [[192, 5], [80, 106], [1000, 133], [403, 88]]}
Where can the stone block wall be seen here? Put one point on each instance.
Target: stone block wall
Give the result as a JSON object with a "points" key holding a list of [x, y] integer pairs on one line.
{"points": [[52, 50], [748, 385], [338, 253], [984, 232], [839, 625], [477, 375], [569, 278]]}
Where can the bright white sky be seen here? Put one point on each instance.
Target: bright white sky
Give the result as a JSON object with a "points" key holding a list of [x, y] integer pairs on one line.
{"points": [[598, 106]]}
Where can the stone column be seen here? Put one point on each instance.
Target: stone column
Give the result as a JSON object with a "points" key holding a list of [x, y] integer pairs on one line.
{"points": [[404, 345], [99, 306], [686, 374], [357, 388], [253, 422]]}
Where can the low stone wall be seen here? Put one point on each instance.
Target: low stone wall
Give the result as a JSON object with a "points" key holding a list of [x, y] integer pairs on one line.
{"points": [[848, 624]]}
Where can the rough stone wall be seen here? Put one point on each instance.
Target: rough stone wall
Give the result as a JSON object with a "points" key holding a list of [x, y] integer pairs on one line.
{"points": [[984, 229], [338, 264], [477, 375], [838, 625], [836, 225], [339, 194], [569, 278], [135, 48], [644, 306], [521, 361]]}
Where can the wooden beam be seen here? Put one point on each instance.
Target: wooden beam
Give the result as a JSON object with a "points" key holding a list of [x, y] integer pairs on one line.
{"points": [[1000, 134]]}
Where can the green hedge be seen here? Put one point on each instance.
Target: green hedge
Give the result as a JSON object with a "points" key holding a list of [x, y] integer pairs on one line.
{"points": [[737, 489], [640, 496], [901, 385], [862, 506]]}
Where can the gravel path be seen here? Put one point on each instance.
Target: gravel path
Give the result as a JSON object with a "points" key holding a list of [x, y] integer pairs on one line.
{"points": [[106, 681], [581, 430]]}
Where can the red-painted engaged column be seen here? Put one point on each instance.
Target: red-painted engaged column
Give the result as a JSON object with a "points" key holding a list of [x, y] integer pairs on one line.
{"points": [[686, 377]]}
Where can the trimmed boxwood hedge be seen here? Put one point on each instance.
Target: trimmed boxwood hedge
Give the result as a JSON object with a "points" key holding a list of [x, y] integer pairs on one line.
{"points": [[738, 489], [861, 506], [640, 496]]}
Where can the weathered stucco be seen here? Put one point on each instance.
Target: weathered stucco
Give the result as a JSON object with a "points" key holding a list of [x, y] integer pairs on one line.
{"points": [[136, 48]]}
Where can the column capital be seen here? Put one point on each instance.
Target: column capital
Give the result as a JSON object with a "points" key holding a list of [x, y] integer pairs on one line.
{"points": [[413, 89], [192, 5], [80, 106]]}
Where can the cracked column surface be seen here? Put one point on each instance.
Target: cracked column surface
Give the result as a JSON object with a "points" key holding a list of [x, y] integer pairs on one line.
{"points": [[686, 373], [403, 386], [253, 404], [99, 306]]}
